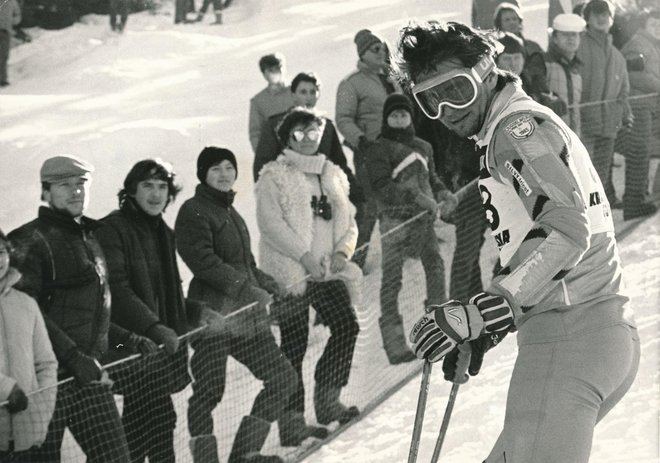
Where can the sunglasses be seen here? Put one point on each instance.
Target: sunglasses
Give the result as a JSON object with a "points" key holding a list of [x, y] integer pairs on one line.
{"points": [[457, 89], [311, 134]]}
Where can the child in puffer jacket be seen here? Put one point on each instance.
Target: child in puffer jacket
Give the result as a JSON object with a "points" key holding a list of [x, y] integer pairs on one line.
{"points": [[27, 364], [404, 180]]}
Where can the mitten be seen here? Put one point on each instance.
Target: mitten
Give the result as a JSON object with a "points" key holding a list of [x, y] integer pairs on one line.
{"points": [[161, 334], [140, 344], [84, 368], [17, 400]]}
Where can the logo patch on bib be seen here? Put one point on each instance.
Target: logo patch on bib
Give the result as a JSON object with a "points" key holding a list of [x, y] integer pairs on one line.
{"points": [[521, 128]]}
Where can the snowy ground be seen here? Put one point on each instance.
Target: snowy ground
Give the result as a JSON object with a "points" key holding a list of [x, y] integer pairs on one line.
{"points": [[165, 90]]}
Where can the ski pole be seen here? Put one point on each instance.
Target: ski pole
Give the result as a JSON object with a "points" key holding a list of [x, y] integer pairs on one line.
{"points": [[421, 408], [462, 364]]}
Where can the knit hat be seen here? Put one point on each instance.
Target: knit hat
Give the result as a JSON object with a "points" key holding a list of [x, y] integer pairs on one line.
{"points": [[364, 39], [211, 156], [62, 167], [396, 101], [568, 23]]}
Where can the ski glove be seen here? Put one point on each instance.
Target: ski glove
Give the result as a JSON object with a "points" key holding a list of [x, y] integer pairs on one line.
{"points": [[161, 334], [140, 344], [17, 400], [84, 368], [444, 326], [452, 367]]}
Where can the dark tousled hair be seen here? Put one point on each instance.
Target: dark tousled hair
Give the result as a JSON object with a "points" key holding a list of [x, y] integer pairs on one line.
{"points": [[421, 46], [305, 77], [271, 61], [146, 170], [296, 116]]}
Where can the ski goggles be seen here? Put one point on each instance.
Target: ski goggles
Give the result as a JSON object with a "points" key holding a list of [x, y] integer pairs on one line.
{"points": [[457, 89], [311, 134]]}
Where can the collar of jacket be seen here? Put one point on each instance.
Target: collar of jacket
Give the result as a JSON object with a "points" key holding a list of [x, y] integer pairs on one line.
{"points": [[364, 68], [132, 210], [509, 93], [63, 220], [400, 135], [555, 54], [601, 38], [223, 198]]}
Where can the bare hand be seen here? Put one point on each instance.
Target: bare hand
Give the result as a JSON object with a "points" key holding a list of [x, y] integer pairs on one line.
{"points": [[314, 268], [338, 262]]}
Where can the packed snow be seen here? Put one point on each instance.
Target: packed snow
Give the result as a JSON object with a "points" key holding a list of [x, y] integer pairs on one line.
{"points": [[165, 90]]}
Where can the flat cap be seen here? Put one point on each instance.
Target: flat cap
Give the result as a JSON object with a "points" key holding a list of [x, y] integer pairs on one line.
{"points": [[568, 23], [62, 167]]}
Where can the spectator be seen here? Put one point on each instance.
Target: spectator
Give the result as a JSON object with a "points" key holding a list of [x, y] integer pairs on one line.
{"points": [[605, 90], [148, 301], [359, 109], [564, 77], [28, 375], [508, 18], [483, 12], [273, 99], [64, 270], [556, 7], [298, 240], [118, 7], [643, 55], [214, 242], [405, 184], [306, 90], [218, 6], [10, 16]]}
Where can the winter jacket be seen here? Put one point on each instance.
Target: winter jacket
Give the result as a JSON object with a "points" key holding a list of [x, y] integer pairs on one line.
{"points": [[64, 270], [534, 72], [604, 78], [359, 106], [144, 277], [10, 15], [648, 80], [286, 220], [214, 242], [565, 81], [26, 359], [267, 103], [399, 170]]}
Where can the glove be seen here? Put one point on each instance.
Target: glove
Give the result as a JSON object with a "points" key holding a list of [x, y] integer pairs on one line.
{"points": [[553, 102], [428, 203], [636, 63], [445, 326], [271, 286], [363, 144], [140, 344], [447, 202], [212, 319], [84, 368], [17, 400], [454, 369], [161, 334]]}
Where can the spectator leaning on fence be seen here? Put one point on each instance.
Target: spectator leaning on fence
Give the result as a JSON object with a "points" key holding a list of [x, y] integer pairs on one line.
{"points": [[64, 270], [28, 373], [214, 242], [359, 109], [564, 78], [605, 88], [10, 16], [274, 99], [405, 184], [147, 300], [308, 231], [642, 53]]}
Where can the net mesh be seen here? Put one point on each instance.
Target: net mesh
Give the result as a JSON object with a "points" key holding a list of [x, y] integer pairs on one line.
{"points": [[152, 394]]}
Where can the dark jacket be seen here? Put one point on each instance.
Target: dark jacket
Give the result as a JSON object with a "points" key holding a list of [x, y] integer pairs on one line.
{"points": [[269, 148], [214, 242], [64, 270], [144, 276], [400, 169]]}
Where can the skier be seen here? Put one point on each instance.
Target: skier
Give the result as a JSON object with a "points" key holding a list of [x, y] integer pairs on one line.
{"points": [[560, 285]]}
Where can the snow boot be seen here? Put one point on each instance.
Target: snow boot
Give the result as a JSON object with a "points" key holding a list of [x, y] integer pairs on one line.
{"points": [[204, 449], [294, 430], [200, 17], [250, 437], [394, 342], [328, 408], [218, 17]]}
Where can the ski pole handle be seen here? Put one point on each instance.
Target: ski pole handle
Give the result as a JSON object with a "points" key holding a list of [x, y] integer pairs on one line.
{"points": [[463, 363]]}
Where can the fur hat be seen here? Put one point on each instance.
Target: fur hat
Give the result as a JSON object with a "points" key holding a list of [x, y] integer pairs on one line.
{"points": [[396, 101], [209, 157], [62, 167], [364, 39]]}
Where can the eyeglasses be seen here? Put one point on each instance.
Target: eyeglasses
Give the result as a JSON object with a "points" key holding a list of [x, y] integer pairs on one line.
{"points": [[311, 134], [457, 89]]}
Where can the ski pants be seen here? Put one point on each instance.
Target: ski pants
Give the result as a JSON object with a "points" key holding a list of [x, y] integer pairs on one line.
{"points": [[561, 389]]}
